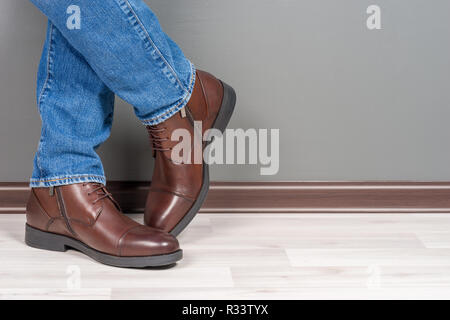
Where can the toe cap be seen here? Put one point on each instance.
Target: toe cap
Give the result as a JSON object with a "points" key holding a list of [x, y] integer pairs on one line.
{"points": [[142, 241], [164, 210]]}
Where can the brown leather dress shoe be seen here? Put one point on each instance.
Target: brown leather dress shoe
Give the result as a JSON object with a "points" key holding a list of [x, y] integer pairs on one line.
{"points": [[85, 217], [178, 190]]}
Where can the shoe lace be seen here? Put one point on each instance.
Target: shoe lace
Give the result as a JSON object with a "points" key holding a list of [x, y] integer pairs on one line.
{"points": [[102, 193], [156, 138]]}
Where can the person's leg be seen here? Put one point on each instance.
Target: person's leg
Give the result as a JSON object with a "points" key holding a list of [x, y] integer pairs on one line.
{"points": [[76, 109], [69, 205], [124, 44]]}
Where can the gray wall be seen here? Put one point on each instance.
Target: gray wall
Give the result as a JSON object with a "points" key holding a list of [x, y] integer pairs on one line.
{"points": [[351, 104]]}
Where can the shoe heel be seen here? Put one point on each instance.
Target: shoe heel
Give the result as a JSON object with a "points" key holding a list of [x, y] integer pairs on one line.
{"points": [[227, 108], [44, 240]]}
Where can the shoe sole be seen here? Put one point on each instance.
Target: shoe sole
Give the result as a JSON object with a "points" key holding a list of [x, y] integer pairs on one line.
{"points": [[223, 118], [53, 242]]}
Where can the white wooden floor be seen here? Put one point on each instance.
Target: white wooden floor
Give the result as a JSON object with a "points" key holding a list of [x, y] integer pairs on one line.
{"points": [[314, 256]]}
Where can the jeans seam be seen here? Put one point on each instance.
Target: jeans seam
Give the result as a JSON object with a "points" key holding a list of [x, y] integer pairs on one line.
{"points": [[67, 181], [181, 102], [44, 90], [45, 87], [69, 178], [152, 43]]}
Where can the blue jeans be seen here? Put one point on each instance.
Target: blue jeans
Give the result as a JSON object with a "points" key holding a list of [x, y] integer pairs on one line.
{"points": [[94, 50]]}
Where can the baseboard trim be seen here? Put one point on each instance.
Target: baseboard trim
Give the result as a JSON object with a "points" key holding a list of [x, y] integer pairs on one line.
{"points": [[280, 197]]}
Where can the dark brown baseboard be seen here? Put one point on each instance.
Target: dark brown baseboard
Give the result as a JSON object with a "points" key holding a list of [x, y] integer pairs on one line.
{"points": [[281, 197]]}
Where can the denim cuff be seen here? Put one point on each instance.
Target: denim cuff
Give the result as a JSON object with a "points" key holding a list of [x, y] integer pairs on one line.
{"points": [[172, 110], [65, 180]]}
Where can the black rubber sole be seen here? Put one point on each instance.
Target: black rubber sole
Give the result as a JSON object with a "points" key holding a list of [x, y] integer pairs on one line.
{"points": [[53, 242], [221, 123]]}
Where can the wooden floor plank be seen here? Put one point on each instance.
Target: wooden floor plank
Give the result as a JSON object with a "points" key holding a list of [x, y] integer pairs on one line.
{"points": [[251, 256]]}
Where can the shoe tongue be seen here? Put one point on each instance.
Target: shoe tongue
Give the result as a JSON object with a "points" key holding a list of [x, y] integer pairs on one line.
{"points": [[155, 135], [161, 135]]}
